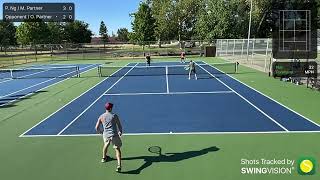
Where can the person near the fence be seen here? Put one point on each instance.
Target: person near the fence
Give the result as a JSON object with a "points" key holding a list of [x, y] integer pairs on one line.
{"points": [[111, 133], [148, 59], [192, 69], [183, 57]]}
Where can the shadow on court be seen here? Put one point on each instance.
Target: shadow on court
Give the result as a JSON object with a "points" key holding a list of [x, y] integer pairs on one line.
{"points": [[167, 157], [8, 101]]}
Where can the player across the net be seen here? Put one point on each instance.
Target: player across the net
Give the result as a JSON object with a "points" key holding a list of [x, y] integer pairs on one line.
{"points": [[222, 68], [47, 72]]}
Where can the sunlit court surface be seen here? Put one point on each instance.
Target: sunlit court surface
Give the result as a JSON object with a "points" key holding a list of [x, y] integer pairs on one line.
{"points": [[140, 90], [160, 99]]}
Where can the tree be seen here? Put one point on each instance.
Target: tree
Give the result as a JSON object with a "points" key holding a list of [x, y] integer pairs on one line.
{"points": [[32, 32], [77, 32], [103, 32], [143, 25], [222, 19], [7, 34], [55, 33], [163, 12], [185, 13], [123, 35]]}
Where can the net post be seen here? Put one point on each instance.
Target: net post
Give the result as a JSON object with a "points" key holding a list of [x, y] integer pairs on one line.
{"points": [[99, 71], [236, 64], [78, 71], [11, 73]]}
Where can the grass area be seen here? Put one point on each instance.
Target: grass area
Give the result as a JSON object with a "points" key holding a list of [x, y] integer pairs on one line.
{"points": [[78, 158]]}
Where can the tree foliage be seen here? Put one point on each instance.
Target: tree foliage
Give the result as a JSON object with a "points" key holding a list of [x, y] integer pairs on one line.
{"points": [[143, 25], [55, 33], [123, 35], [35, 32], [103, 32], [77, 32], [165, 24], [7, 34], [185, 13], [213, 19]]}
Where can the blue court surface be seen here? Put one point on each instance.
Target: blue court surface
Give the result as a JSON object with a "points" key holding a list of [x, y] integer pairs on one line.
{"points": [[34, 79], [215, 103]]}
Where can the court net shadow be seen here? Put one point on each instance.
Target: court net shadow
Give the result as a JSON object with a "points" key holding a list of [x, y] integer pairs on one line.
{"points": [[167, 157], [9, 101]]}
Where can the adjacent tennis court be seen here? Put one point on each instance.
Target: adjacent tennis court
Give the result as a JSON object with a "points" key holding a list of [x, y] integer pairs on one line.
{"points": [[17, 84], [161, 100]]}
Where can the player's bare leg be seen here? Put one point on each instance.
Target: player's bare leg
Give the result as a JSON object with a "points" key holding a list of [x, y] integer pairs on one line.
{"points": [[118, 155], [105, 151]]}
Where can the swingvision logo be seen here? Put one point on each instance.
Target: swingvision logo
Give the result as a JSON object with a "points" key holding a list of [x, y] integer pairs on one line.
{"points": [[306, 166]]}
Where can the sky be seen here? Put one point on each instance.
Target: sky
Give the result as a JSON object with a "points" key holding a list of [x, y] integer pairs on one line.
{"points": [[114, 13]]}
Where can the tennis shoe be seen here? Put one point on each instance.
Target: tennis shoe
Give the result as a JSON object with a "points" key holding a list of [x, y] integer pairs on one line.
{"points": [[104, 160], [118, 169]]}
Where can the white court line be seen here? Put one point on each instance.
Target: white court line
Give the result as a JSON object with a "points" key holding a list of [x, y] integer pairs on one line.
{"points": [[95, 101], [171, 93], [37, 84], [167, 79], [11, 79], [47, 86], [178, 133], [268, 97], [246, 100], [69, 103]]}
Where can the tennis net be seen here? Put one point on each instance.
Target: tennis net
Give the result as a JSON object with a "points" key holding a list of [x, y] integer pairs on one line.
{"points": [[46, 72], [207, 69]]}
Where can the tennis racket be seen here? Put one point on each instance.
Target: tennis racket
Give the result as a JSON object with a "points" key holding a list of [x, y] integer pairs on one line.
{"points": [[187, 68], [155, 150]]}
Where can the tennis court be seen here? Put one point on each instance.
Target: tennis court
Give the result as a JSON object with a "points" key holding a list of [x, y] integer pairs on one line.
{"points": [[161, 100], [17, 84]]}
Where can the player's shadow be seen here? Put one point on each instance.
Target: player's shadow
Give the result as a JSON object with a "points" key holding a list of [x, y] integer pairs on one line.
{"points": [[167, 157]]}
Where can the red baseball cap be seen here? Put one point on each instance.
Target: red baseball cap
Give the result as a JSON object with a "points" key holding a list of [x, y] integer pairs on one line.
{"points": [[108, 106]]}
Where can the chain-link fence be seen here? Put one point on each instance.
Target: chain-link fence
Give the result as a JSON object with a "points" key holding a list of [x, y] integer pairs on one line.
{"points": [[67, 52], [256, 56]]}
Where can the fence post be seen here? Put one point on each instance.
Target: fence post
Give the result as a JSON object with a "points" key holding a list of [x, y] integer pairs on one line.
{"points": [[220, 47], [265, 59], [35, 49], [25, 56], [227, 47], [234, 46], [253, 42], [83, 51], [51, 52], [12, 58], [243, 41]]}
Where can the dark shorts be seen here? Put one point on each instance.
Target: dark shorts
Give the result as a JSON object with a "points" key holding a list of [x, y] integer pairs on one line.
{"points": [[193, 71]]}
